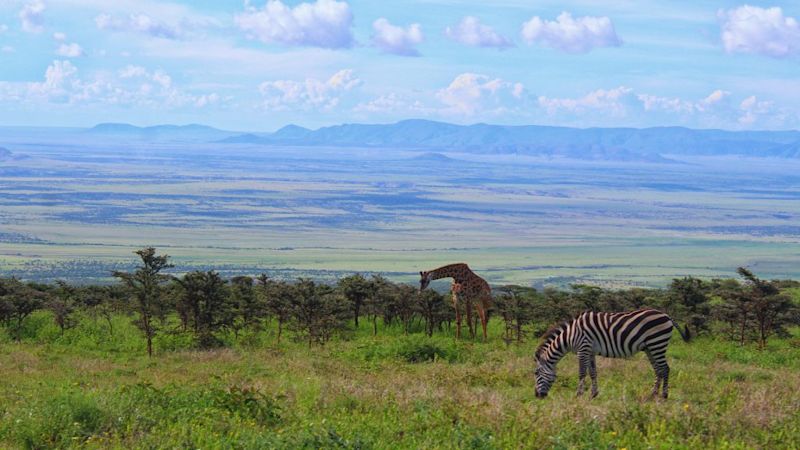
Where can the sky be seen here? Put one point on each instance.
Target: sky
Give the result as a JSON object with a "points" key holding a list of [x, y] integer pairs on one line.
{"points": [[258, 65]]}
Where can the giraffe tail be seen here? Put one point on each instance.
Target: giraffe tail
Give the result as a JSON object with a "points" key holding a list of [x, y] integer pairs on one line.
{"points": [[685, 334]]}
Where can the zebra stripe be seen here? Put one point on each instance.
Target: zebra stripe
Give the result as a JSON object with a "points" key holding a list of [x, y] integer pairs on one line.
{"points": [[614, 335]]}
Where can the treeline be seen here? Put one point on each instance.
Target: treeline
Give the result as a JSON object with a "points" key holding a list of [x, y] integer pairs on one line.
{"points": [[208, 306]]}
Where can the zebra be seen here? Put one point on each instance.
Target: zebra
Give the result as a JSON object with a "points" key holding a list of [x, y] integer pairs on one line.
{"points": [[614, 335]]}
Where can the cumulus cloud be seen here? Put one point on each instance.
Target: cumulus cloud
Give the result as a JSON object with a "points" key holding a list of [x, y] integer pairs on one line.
{"points": [[397, 40], [471, 93], [615, 102], [470, 31], [752, 110], [571, 35], [132, 85], [714, 101], [764, 31], [324, 23], [309, 94], [138, 23], [138, 72], [72, 50], [392, 103], [32, 16]]}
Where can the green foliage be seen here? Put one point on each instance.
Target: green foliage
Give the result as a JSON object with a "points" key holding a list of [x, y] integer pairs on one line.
{"points": [[207, 307], [318, 311], [144, 285]]}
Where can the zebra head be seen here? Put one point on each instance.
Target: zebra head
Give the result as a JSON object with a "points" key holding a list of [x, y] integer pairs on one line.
{"points": [[544, 375]]}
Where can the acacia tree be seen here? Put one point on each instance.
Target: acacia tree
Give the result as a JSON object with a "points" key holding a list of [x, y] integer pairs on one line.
{"points": [[376, 303], [207, 299], [318, 311], [357, 290], [771, 310], [248, 309], [433, 309], [62, 304], [687, 299], [144, 284], [101, 301], [404, 298], [515, 305], [17, 302], [277, 299]]}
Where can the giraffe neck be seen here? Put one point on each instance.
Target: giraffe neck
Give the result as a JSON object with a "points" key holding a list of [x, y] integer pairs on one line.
{"points": [[457, 272]]}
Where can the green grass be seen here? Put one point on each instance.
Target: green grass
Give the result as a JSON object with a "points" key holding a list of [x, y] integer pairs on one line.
{"points": [[91, 390]]}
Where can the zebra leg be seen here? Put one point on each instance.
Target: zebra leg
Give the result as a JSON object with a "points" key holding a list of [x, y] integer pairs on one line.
{"points": [[657, 368], [593, 374], [582, 363], [665, 378]]}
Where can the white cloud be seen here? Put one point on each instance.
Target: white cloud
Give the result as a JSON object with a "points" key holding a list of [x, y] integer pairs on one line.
{"points": [[571, 35], [470, 31], [397, 40], [469, 94], [392, 103], [138, 23], [324, 23], [752, 110], [138, 72], [615, 102], [72, 50], [309, 94], [715, 101], [32, 16], [764, 31], [131, 86], [59, 36]]}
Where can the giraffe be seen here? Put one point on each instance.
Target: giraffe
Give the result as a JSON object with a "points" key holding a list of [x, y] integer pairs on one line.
{"points": [[467, 287]]}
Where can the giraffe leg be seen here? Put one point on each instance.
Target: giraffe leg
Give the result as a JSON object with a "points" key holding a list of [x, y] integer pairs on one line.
{"points": [[458, 315], [468, 303], [482, 314]]}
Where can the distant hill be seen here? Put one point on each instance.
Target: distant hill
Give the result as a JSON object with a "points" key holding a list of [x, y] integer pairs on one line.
{"points": [[583, 143], [192, 132], [788, 151], [434, 157], [5, 153]]}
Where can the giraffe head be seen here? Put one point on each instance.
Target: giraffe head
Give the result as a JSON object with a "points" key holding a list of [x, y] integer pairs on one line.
{"points": [[544, 376], [424, 280]]}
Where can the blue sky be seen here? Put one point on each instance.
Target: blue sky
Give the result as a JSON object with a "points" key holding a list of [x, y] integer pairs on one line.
{"points": [[257, 65]]}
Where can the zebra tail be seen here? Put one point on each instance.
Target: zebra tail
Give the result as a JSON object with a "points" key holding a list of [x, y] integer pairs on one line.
{"points": [[685, 334]]}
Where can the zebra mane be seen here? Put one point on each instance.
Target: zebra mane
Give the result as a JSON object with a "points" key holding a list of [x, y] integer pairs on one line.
{"points": [[551, 334]]}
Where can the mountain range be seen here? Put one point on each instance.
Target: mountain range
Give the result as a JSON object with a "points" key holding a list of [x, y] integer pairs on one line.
{"points": [[648, 144]]}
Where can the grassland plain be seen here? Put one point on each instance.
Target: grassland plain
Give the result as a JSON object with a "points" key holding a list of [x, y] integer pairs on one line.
{"points": [[89, 389], [77, 211]]}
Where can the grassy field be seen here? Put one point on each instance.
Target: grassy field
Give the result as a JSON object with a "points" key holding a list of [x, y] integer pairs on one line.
{"points": [[77, 212], [89, 389]]}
